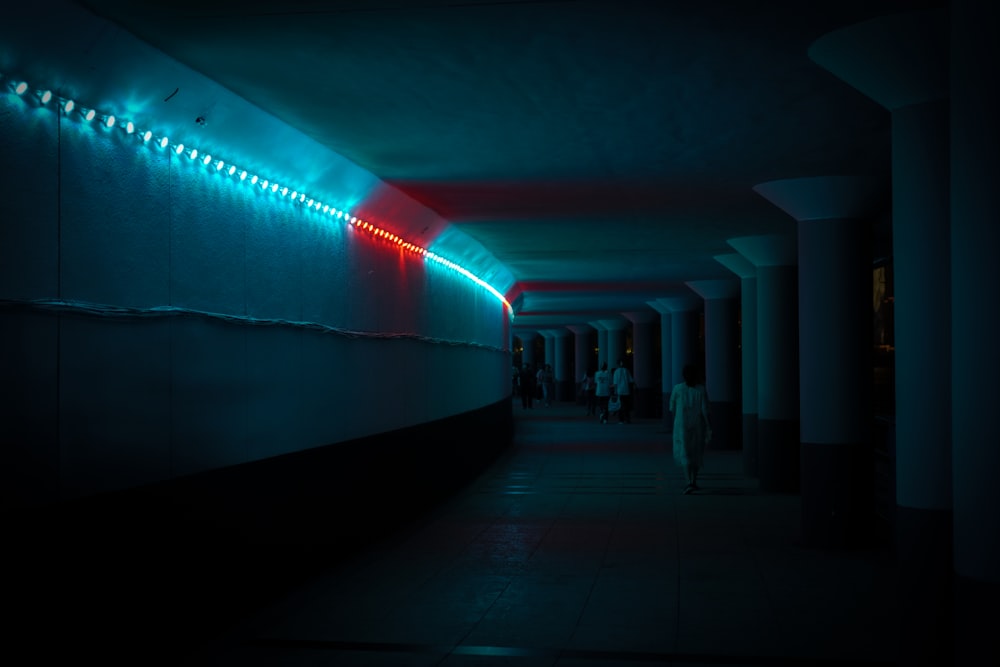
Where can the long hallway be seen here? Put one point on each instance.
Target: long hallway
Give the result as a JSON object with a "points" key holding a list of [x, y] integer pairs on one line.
{"points": [[578, 548]]}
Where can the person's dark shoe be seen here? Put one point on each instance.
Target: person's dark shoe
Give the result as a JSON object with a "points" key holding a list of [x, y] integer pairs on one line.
{"points": [[688, 490]]}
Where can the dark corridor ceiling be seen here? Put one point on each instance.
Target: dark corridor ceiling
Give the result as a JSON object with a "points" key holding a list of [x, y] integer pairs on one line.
{"points": [[603, 152]]}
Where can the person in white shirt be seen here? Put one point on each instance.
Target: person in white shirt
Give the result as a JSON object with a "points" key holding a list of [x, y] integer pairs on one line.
{"points": [[602, 390], [622, 382], [589, 399]]}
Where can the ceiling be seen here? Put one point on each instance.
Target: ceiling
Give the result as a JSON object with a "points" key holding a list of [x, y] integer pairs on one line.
{"points": [[603, 152]]}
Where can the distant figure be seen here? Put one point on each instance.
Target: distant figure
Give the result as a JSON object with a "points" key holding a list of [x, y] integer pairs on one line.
{"points": [[622, 382], [692, 427], [527, 382], [587, 388], [602, 389], [548, 380]]}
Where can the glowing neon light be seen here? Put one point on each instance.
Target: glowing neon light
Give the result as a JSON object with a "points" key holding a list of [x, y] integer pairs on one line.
{"points": [[110, 120]]}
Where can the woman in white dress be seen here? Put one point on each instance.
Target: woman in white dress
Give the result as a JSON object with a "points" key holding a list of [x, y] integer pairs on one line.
{"points": [[692, 427]]}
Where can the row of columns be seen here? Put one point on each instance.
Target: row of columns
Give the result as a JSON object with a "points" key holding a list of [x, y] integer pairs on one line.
{"points": [[569, 349], [935, 72], [803, 412], [805, 336]]}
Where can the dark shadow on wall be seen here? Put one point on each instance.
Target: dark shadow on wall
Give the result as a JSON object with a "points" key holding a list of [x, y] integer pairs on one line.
{"points": [[170, 565]]}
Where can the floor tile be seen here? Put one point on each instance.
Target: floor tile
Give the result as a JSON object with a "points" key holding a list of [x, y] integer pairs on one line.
{"points": [[577, 548]]}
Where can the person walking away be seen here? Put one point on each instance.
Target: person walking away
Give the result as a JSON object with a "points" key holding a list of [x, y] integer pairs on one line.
{"points": [[527, 382], [548, 384], [622, 383], [587, 387], [692, 425], [602, 390]]}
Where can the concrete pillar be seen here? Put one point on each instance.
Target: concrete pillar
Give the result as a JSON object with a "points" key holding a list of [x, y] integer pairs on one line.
{"points": [[975, 285], [528, 347], [747, 273], [774, 257], [722, 373], [685, 312], [562, 342], [685, 346], [901, 61], [602, 343], [666, 361], [642, 362], [583, 351], [834, 217], [550, 349], [615, 328]]}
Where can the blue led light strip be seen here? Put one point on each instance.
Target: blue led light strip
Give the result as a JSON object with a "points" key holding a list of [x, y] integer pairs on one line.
{"points": [[69, 107]]}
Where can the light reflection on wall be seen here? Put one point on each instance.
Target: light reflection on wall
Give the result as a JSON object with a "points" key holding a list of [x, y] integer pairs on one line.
{"points": [[44, 98]]}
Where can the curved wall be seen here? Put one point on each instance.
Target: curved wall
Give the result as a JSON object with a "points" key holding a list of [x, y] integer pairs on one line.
{"points": [[159, 318]]}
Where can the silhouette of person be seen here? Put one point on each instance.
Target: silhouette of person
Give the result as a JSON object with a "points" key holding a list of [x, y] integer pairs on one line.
{"points": [[590, 400], [547, 379], [602, 390], [692, 425], [527, 387], [622, 381]]}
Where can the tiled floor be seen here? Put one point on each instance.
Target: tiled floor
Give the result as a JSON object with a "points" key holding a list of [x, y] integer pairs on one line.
{"points": [[577, 549]]}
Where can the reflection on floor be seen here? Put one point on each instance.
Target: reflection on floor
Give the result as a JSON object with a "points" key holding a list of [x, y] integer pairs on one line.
{"points": [[579, 548]]}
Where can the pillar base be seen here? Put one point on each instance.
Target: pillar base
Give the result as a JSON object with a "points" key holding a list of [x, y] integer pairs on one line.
{"points": [[750, 454], [778, 455], [926, 587], [837, 495], [977, 617]]}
